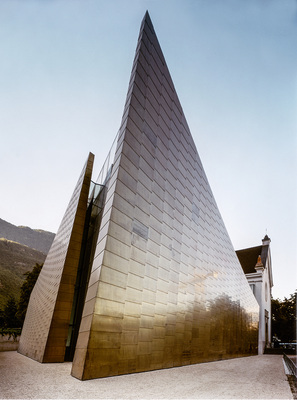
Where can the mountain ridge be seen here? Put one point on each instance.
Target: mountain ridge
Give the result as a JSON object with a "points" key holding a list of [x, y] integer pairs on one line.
{"points": [[20, 249], [38, 239]]}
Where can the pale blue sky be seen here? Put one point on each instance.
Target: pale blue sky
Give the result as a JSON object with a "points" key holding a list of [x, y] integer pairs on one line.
{"points": [[64, 72]]}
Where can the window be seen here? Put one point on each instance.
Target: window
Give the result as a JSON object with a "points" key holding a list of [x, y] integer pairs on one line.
{"points": [[266, 291], [253, 287]]}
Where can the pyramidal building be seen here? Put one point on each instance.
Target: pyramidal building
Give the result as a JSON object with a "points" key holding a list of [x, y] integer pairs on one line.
{"points": [[142, 274]]}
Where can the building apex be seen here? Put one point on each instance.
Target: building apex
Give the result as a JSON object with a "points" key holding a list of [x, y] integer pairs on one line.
{"points": [[266, 240], [147, 20]]}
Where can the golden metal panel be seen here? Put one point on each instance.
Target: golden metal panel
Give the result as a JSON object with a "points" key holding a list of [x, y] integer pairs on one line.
{"points": [[132, 308], [102, 323], [149, 296], [89, 307], [128, 351], [105, 340], [117, 278], [136, 268], [147, 321], [45, 328], [150, 283], [145, 333], [94, 276], [83, 340], [147, 309], [134, 281], [111, 292], [131, 323], [78, 362], [92, 291], [117, 233], [86, 323], [109, 307], [133, 295], [144, 348]]}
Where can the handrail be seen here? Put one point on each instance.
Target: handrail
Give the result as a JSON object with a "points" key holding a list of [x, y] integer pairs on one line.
{"points": [[290, 365]]}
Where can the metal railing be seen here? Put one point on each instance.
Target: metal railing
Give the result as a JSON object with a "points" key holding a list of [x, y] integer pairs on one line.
{"points": [[290, 365]]}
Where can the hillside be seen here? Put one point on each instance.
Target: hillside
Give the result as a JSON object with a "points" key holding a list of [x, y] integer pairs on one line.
{"points": [[34, 238], [20, 249], [15, 260]]}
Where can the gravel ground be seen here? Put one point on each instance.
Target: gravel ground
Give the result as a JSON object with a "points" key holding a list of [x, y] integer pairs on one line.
{"points": [[256, 377]]}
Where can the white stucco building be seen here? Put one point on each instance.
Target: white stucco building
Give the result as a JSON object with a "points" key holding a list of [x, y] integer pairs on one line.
{"points": [[256, 264]]}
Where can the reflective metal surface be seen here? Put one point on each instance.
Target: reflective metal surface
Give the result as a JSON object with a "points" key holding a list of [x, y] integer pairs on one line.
{"points": [[166, 288], [45, 328]]}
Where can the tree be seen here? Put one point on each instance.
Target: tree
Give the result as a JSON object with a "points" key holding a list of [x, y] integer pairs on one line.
{"points": [[26, 289], [284, 318], [10, 310], [1, 318]]}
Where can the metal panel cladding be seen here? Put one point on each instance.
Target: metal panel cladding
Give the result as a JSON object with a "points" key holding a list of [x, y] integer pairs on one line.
{"points": [[166, 288], [46, 324]]}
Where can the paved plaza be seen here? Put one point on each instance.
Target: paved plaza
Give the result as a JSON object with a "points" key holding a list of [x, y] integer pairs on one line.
{"points": [[256, 377]]}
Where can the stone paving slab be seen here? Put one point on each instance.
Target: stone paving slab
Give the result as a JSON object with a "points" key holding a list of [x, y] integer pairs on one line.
{"points": [[256, 377]]}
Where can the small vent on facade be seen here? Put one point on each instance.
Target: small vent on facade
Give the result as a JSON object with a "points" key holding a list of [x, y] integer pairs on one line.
{"points": [[140, 229]]}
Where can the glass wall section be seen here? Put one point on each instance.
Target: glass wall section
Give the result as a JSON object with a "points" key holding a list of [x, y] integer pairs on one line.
{"points": [[107, 165], [90, 235]]}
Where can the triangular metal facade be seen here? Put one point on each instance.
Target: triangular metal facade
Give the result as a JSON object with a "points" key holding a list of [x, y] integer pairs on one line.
{"points": [[166, 288], [46, 325]]}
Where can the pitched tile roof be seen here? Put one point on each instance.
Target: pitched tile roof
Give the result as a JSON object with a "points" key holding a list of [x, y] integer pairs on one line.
{"points": [[248, 257]]}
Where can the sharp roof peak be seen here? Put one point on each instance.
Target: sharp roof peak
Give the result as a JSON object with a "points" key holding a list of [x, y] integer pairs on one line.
{"points": [[147, 19]]}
